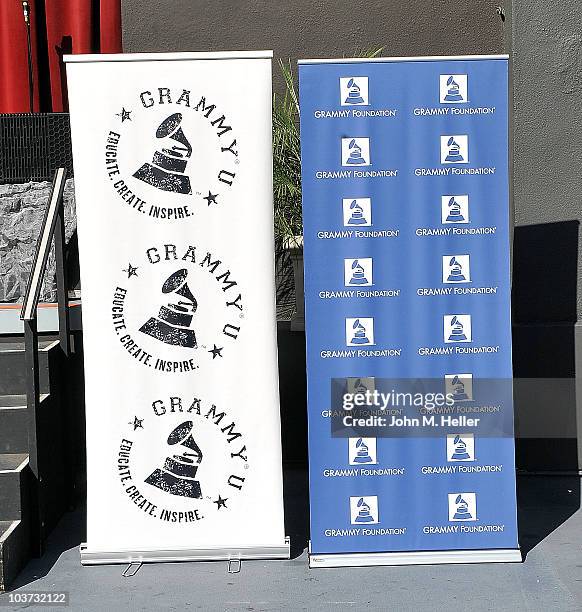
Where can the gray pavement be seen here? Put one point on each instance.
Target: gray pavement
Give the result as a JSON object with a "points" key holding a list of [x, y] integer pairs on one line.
{"points": [[549, 579]]}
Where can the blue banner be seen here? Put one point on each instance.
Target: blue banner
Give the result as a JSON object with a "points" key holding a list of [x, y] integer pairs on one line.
{"points": [[407, 294]]}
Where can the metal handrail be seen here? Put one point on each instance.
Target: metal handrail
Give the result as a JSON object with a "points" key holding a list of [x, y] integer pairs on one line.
{"points": [[53, 226], [43, 246]]}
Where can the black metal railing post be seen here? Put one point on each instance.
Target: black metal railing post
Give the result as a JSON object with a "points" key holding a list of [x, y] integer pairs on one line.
{"points": [[62, 286], [32, 405], [53, 219], [65, 345]]}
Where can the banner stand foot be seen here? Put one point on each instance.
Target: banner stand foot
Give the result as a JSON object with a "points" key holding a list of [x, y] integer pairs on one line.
{"points": [[234, 555], [131, 570]]}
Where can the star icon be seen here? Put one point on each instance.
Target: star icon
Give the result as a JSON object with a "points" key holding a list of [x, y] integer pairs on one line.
{"points": [[137, 423], [216, 352], [220, 502], [211, 198], [131, 271], [124, 114]]}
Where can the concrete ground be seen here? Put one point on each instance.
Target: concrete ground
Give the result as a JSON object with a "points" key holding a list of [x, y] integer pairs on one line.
{"points": [[550, 579]]}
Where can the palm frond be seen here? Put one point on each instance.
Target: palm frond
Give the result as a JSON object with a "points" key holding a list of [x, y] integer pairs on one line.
{"points": [[287, 169]]}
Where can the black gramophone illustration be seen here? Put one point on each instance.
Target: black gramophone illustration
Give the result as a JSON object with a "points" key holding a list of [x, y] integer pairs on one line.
{"points": [[166, 172], [172, 325], [177, 477]]}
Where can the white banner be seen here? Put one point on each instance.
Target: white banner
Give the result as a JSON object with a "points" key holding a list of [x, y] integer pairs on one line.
{"points": [[173, 176]]}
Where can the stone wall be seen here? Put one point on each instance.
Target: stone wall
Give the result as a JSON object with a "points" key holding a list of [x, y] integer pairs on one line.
{"points": [[22, 209]]}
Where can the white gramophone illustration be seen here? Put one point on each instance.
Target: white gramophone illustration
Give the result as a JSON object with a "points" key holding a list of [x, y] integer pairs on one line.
{"points": [[357, 216], [354, 94], [454, 151], [454, 215], [364, 515], [457, 332], [453, 91]]}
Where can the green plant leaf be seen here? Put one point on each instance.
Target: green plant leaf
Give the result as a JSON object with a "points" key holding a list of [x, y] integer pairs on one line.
{"points": [[288, 221]]}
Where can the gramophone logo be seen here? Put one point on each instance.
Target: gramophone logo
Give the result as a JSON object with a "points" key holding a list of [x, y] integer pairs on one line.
{"points": [[359, 332], [457, 328], [356, 152], [455, 149], [357, 212], [168, 166], [364, 510], [453, 88], [360, 385], [185, 458], [460, 447], [178, 475], [358, 272], [362, 451], [354, 91], [173, 323], [460, 386], [456, 269], [172, 150], [177, 305], [462, 507], [455, 209]]}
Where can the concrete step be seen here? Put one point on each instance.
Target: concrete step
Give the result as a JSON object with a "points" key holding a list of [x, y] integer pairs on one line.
{"points": [[13, 486], [28, 509], [14, 422], [14, 550], [13, 369]]}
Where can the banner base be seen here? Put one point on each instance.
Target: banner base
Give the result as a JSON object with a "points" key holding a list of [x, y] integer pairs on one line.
{"points": [[101, 557], [433, 557]]}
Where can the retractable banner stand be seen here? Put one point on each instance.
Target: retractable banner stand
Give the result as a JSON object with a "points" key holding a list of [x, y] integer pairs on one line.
{"points": [[407, 290], [173, 176]]}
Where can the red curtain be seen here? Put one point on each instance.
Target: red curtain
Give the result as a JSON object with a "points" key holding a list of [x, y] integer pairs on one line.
{"points": [[58, 27]]}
